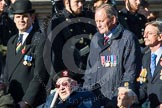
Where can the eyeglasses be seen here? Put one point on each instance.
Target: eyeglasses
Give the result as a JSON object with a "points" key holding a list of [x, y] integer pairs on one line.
{"points": [[63, 84]]}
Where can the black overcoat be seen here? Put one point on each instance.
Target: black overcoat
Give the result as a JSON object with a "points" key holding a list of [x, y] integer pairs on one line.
{"points": [[27, 82]]}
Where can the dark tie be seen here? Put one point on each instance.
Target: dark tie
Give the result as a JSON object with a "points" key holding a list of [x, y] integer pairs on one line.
{"points": [[106, 38], [153, 63], [19, 42]]}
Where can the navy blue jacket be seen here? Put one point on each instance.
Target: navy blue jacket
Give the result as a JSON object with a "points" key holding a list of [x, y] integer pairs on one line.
{"points": [[75, 100], [123, 53]]}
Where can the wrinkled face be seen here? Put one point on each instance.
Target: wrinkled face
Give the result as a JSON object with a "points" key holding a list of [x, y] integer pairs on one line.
{"points": [[2, 5], [124, 100], [152, 37], [76, 6], [64, 87], [134, 4], [103, 22], [23, 21], [98, 3]]}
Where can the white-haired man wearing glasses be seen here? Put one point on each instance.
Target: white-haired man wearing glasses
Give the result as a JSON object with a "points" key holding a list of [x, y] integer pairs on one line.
{"points": [[67, 94]]}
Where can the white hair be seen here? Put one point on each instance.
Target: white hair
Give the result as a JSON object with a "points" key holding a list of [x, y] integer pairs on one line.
{"points": [[129, 92]]}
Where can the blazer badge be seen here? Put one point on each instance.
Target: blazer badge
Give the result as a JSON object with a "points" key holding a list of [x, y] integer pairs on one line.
{"points": [[142, 76]]}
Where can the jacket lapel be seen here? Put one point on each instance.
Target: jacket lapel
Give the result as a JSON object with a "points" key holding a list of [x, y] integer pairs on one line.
{"points": [[157, 69], [147, 62], [116, 34], [11, 55], [100, 40]]}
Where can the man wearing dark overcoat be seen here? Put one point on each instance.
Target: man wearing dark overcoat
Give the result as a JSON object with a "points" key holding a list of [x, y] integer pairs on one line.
{"points": [[25, 71], [114, 59]]}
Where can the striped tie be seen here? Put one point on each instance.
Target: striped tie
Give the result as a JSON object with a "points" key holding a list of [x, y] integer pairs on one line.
{"points": [[106, 38], [19, 43]]}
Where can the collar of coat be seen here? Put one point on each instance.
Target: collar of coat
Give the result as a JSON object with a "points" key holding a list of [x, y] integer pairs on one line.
{"points": [[115, 34]]}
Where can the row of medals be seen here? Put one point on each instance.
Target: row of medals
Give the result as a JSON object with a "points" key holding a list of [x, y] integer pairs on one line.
{"points": [[27, 60], [109, 61]]}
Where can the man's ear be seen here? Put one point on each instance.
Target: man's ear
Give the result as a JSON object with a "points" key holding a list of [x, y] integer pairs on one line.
{"points": [[66, 2], [33, 17], [114, 20], [106, 1], [66, 5], [160, 37]]}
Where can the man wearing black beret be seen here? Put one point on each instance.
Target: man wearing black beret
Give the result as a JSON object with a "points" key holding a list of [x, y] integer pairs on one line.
{"points": [[68, 95]]}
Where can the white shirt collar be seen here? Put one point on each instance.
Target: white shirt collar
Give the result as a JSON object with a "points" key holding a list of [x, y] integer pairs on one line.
{"points": [[158, 52], [109, 35], [25, 34], [111, 32]]}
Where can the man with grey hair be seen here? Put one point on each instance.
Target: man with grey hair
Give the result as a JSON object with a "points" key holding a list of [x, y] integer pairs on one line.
{"points": [[126, 98], [114, 58], [151, 74]]}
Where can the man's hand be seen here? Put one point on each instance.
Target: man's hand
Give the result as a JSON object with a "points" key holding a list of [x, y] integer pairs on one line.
{"points": [[23, 104]]}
